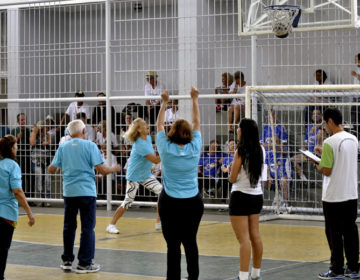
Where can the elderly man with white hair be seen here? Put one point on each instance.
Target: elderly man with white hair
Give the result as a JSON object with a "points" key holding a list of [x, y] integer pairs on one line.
{"points": [[77, 158]]}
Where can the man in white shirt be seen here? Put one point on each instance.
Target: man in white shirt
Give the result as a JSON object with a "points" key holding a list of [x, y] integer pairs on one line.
{"points": [[338, 164], [153, 88], [75, 108]]}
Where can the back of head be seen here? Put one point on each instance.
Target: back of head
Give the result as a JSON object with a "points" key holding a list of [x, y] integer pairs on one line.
{"points": [[6, 144], [76, 128], [239, 75], [132, 134], [250, 151], [334, 114], [180, 132]]}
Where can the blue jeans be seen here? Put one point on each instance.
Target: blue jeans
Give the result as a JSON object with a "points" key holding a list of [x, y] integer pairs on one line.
{"points": [[42, 179], [87, 207]]}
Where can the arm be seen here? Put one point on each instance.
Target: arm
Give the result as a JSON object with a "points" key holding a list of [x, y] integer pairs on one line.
{"points": [[234, 168], [33, 134], [153, 158], [161, 116], [105, 170], [20, 196], [195, 108], [52, 169], [324, 170]]}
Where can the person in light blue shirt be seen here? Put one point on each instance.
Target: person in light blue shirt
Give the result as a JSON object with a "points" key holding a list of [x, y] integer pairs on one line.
{"points": [[77, 159], [180, 203], [138, 173], [11, 194]]}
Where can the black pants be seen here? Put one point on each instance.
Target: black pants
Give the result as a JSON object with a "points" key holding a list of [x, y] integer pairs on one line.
{"points": [[6, 234], [342, 234], [180, 219]]}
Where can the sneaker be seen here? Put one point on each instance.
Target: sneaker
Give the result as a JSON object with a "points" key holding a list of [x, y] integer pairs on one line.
{"points": [[331, 275], [256, 278], [112, 229], [157, 226], [91, 268], [66, 266], [351, 274]]}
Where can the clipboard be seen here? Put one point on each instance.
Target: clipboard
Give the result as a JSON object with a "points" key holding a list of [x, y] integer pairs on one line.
{"points": [[314, 158]]}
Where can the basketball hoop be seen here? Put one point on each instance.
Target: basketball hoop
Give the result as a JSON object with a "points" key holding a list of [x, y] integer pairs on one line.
{"points": [[283, 18]]}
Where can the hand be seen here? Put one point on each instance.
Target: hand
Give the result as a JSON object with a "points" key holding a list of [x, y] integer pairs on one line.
{"points": [[194, 93], [165, 96], [45, 143], [35, 128], [116, 167], [19, 136], [318, 150], [31, 220], [353, 73]]}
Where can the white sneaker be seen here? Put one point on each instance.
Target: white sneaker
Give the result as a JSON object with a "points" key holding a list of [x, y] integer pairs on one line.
{"points": [[158, 226], [112, 229]]}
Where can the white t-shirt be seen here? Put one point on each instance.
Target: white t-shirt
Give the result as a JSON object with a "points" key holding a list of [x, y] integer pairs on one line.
{"points": [[340, 152], [150, 91], [73, 110], [170, 117], [356, 80], [241, 90], [112, 162], [100, 140], [89, 133], [65, 139]]}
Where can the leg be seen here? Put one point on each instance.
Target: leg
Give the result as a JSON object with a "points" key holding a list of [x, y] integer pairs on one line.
{"points": [[237, 114], [70, 224], [6, 234], [87, 207], [296, 161], [240, 225], [230, 117], [256, 242], [284, 183], [152, 184]]}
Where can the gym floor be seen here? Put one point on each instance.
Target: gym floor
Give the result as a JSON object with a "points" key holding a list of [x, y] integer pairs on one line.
{"points": [[292, 249]]}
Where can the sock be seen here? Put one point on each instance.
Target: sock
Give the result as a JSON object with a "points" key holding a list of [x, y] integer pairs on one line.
{"points": [[244, 275], [255, 272]]}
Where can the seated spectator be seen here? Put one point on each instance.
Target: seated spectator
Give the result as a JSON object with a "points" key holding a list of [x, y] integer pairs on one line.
{"points": [[40, 141], [237, 104], [227, 80], [282, 164], [172, 113], [208, 167], [89, 130], [315, 134], [356, 73], [223, 182], [101, 138], [99, 113]]}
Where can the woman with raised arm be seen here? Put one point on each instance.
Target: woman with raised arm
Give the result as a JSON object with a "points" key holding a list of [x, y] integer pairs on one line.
{"points": [[11, 194], [142, 157], [180, 203], [246, 198]]}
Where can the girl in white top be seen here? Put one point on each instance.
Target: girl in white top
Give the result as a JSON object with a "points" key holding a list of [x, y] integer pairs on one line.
{"points": [[246, 198]]}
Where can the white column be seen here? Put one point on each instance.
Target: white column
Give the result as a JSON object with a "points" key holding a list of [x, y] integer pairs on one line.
{"points": [[187, 31], [13, 41]]}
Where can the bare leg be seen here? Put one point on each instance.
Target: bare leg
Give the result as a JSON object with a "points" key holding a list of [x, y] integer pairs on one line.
{"points": [[256, 242], [237, 114], [118, 214], [230, 117], [240, 226]]}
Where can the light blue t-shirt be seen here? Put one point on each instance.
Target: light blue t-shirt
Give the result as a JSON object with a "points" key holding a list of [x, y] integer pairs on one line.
{"points": [[139, 167], [179, 165], [10, 179], [77, 159]]}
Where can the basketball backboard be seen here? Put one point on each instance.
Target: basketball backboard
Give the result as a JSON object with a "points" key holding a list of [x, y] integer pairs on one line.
{"points": [[316, 15]]}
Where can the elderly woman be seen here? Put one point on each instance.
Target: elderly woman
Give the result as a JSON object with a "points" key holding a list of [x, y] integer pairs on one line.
{"points": [[180, 203], [10, 194]]}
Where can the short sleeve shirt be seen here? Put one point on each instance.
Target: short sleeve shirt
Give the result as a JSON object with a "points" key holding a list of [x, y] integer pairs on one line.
{"points": [[179, 165], [73, 110], [150, 91], [10, 179], [139, 168], [77, 159]]}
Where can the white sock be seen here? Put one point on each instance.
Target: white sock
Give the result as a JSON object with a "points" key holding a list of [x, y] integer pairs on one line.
{"points": [[244, 275], [255, 272]]}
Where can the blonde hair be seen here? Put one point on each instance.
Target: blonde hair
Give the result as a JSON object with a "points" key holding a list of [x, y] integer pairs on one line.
{"points": [[132, 134]]}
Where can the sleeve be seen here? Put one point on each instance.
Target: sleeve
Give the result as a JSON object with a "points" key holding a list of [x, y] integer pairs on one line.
{"points": [[197, 140], [161, 141], [283, 134], [95, 155], [15, 177], [69, 109], [327, 157], [57, 160], [144, 148]]}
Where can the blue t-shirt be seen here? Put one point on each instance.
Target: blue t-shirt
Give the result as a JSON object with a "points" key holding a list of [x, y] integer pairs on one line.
{"points": [[139, 168], [77, 159], [266, 137], [227, 160], [179, 165], [10, 179], [310, 137], [209, 164]]}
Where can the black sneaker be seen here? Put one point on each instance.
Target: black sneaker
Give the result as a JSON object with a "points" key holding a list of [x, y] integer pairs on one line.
{"points": [[66, 266], [351, 274], [331, 275], [91, 268]]}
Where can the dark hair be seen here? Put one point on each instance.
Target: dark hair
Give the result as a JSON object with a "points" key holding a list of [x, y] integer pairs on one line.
{"points": [[180, 132], [18, 116], [239, 75], [250, 151], [81, 115], [358, 56], [6, 144], [334, 114], [323, 74], [101, 93]]}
